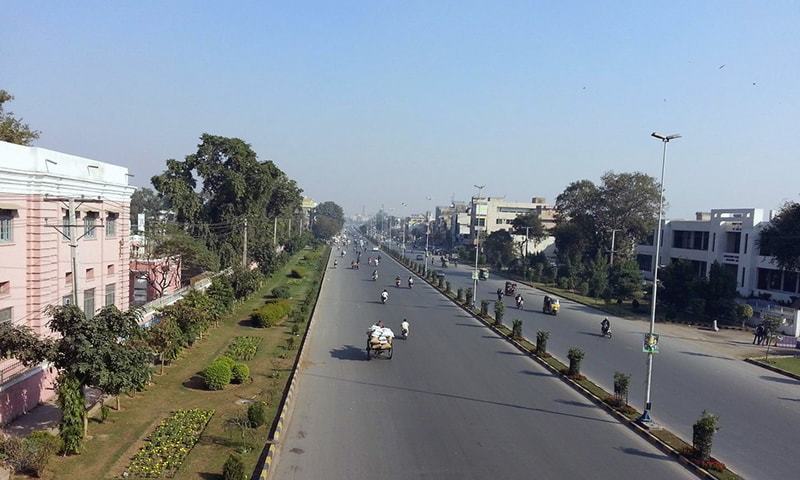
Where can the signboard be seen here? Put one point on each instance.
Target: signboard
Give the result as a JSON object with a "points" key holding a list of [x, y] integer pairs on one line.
{"points": [[650, 344], [140, 222], [474, 275]]}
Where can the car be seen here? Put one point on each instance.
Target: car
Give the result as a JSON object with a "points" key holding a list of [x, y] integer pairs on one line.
{"points": [[376, 249], [420, 257]]}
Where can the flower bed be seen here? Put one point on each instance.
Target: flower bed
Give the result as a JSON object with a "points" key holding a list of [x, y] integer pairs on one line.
{"points": [[165, 448], [243, 348]]}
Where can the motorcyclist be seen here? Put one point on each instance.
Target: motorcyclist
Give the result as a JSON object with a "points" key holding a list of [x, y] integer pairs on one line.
{"points": [[375, 275], [410, 282], [404, 328], [397, 281], [335, 263], [499, 295], [520, 301], [605, 326], [384, 296]]}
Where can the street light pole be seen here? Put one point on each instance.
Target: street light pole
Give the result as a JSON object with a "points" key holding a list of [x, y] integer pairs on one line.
{"points": [[427, 231], [477, 246], [645, 419]]}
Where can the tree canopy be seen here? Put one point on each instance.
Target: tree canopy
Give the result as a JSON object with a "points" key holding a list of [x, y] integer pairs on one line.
{"points": [[499, 248], [328, 220], [781, 238], [13, 129]]}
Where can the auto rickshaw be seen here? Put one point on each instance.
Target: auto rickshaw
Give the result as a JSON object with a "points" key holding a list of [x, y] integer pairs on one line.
{"points": [[551, 305], [483, 273], [511, 288]]}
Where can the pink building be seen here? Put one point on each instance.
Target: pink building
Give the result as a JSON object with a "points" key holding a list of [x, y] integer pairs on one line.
{"points": [[153, 278], [35, 266]]}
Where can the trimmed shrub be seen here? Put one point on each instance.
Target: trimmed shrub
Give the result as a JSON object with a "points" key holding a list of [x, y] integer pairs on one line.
{"points": [[447, 287], [31, 454], [240, 373], [484, 308], [622, 382], [541, 342], [281, 292], [226, 360], [469, 296], [234, 468], [460, 295], [217, 375], [583, 289], [257, 414], [703, 435], [516, 329], [296, 273], [575, 356], [271, 313], [499, 311]]}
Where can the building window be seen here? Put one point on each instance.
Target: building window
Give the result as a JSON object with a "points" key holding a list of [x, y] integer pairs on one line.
{"points": [[88, 303], [733, 242], [690, 240], [713, 241], [90, 274], [769, 279], [89, 225], [6, 226], [745, 243], [481, 222], [111, 225], [68, 279], [5, 288], [789, 282], [6, 314], [110, 269], [645, 262], [111, 289], [140, 290], [744, 271]]}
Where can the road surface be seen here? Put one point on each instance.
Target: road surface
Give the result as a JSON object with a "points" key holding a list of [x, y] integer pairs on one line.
{"points": [[455, 402], [759, 410]]}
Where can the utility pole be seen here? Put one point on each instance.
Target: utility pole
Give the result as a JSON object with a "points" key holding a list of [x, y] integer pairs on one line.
{"points": [[275, 233], [477, 246], [244, 249], [613, 237]]}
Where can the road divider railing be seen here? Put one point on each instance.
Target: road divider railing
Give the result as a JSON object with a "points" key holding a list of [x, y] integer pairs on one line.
{"points": [[699, 463]]}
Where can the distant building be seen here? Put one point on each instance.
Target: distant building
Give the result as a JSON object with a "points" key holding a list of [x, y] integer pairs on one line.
{"points": [[35, 266], [727, 236], [307, 206], [492, 214]]}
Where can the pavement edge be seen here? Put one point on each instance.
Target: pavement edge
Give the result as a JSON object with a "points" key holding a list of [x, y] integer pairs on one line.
{"points": [[635, 427], [262, 469], [772, 368]]}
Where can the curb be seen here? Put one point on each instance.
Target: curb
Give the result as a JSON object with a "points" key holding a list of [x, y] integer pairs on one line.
{"points": [[636, 428], [772, 368], [262, 469]]}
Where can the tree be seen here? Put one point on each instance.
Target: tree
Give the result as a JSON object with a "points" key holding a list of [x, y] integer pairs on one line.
{"points": [[625, 280], [597, 277], [325, 227], [13, 129], [145, 200], [628, 203], [165, 339], [176, 245], [780, 239], [529, 225], [679, 284], [720, 294], [499, 248]]}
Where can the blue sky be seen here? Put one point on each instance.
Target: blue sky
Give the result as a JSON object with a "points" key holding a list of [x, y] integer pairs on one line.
{"points": [[370, 103]]}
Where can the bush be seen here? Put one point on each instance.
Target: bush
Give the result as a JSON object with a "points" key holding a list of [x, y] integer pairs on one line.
{"points": [[635, 305], [469, 296], [516, 329], [31, 454], [499, 310], [243, 348], [541, 342], [484, 308], [621, 384], [271, 313], [447, 287], [295, 329], [281, 292], [296, 274], [104, 410], [217, 375], [240, 373], [575, 356], [226, 360], [233, 468], [460, 295], [703, 435], [257, 414], [583, 289]]}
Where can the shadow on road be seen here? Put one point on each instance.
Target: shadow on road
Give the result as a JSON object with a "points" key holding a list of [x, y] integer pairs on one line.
{"points": [[696, 354], [789, 381], [789, 399], [463, 397], [640, 453], [469, 325], [349, 352], [575, 403], [536, 374]]}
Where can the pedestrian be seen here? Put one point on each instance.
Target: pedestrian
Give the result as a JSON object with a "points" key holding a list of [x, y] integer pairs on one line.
{"points": [[757, 334]]}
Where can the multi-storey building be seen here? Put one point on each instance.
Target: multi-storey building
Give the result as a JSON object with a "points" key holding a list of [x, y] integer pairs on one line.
{"points": [[730, 237], [492, 214], [35, 266]]}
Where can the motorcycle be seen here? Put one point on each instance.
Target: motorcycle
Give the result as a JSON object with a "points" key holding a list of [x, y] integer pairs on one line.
{"points": [[410, 283], [384, 298], [606, 332], [404, 333], [397, 283]]}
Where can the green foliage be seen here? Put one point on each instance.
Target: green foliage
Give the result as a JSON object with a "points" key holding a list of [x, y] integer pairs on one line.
{"points": [[257, 414], [166, 447], [271, 313], [290, 343], [684, 290], [171, 241], [71, 403], [165, 339], [217, 375], [469, 296], [575, 356], [226, 360], [484, 308], [281, 291], [597, 277], [622, 383], [30, 455], [625, 280], [234, 468], [240, 373], [541, 342], [499, 248], [516, 329], [222, 295], [329, 220], [703, 432], [583, 288], [447, 287], [243, 348], [244, 282], [296, 273], [499, 311], [744, 312], [779, 239], [13, 129], [104, 412]]}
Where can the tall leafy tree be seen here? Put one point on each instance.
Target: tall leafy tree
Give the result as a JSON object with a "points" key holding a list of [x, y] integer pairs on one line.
{"points": [[780, 239], [328, 220], [499, 248], [145, 200], [13, 129]]}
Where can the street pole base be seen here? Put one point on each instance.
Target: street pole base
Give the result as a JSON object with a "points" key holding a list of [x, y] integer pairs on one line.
{"points": [[646, 421]]}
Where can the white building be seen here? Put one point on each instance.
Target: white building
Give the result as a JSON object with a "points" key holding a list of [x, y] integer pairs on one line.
{"points": [[727, 236], [492, 214]]}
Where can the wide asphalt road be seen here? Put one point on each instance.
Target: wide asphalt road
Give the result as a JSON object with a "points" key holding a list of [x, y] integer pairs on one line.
{"points": [[455, 402], [759, 410]]}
